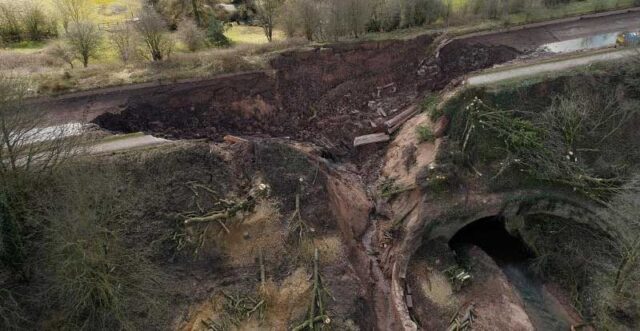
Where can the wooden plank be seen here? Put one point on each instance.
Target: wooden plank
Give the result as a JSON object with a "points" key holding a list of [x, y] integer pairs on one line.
{"points": [[234, 139], [394, 123], [370, 139]]}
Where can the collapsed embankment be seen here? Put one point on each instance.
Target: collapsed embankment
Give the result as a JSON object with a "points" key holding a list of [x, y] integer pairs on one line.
{"points": [[326, 94]]}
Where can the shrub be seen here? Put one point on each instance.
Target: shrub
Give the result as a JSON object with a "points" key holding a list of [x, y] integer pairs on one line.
{"points": [[37, 25], [93, 281], [191, 35], [153, 31], [10, 28], [215, 33], [84, 38], [424, 134], [62, 51], [124, 39]]}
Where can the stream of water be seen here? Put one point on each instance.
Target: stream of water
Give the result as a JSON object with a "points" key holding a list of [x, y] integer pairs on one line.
{"points": [[512, 256], [545, 312]]}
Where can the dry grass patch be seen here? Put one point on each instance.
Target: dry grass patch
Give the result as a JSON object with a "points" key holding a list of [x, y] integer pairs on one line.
{"points": [[288, 302], [330, 247], [261, 230], [284, 303]]}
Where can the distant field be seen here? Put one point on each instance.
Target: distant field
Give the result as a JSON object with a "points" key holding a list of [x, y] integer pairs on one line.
{"points": [[243, 34]]}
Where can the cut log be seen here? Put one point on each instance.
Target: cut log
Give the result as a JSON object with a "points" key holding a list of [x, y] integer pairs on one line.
{"points": [[393, 124], [370, 139]]}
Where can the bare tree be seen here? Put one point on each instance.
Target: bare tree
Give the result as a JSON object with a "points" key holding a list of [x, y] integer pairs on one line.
{"points": [[153, 30], [84, 37], [123, 38], [266, 11], [63, 52], [191, 36], [357, 14], [72, 11], [287, 18], [26, 144], [309, 15], [334, 20]]}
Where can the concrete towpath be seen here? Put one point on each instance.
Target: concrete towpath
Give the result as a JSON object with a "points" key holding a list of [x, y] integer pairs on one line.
{"points": [[523, 70], [126, 143]]}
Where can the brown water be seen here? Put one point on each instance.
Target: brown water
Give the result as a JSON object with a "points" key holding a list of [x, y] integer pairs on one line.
{"points": [[572, 45]]}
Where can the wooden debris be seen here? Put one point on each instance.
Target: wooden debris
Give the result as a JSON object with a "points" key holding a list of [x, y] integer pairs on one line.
{"points": [[393, 124], [317, 312], [298, 228], [390, 85], [234, 139], [464, 321], [370, 139]]}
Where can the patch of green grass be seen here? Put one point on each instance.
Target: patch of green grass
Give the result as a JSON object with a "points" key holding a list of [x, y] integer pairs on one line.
{"points": [[425, 134], [254, 35], [430, 105]]}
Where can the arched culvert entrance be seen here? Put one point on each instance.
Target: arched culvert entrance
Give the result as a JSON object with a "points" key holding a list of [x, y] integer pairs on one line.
{"points": [[490, 234], [513, 257]]}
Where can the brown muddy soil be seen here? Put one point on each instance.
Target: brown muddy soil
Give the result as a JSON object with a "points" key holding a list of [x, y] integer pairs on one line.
{"points": [[326, 95]]}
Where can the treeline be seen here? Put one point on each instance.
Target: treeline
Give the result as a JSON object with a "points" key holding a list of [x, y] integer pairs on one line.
{"points": [[323, 20], [25, 21]]}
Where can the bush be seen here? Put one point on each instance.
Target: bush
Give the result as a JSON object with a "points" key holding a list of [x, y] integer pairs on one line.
{"points": [[94, 282], [37, 25], [424, 134], [124, 39], [191, 35], [10, 28], [62, 51], [215, 33]]}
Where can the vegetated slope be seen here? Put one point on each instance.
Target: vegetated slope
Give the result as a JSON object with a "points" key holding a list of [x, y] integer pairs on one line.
{"points": [[558, 161], [126, 242]]}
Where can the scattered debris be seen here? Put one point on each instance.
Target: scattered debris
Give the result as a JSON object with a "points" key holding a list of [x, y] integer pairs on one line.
{"points": [[298, 228], [317, 312], [382, 88], [236, 309], [458, 276], [393, 124], [463, 318]]}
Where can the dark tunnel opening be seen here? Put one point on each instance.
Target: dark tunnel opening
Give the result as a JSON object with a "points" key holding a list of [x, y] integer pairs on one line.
{"points": [[491, 236], [513, 256]]}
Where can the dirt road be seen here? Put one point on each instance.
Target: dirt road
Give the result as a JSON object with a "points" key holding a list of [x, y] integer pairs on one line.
{"points": [[546, 67]]}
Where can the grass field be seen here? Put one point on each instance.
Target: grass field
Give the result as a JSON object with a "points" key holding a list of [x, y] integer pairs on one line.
{"points": [[253, 35]]}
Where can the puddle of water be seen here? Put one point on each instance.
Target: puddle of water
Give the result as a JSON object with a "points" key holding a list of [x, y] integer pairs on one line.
{"points": [[53, 132], [572, 45]]}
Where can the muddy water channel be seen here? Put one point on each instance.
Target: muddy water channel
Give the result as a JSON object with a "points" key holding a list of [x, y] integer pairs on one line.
{"points": [[511, 255], [572, 45]]}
